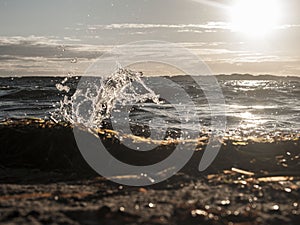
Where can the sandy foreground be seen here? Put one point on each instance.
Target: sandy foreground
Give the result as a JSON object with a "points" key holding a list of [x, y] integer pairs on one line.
{"points": [[46, 182]]}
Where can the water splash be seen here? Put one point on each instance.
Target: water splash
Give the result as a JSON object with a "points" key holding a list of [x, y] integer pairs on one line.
{"points": [[96, 97]]}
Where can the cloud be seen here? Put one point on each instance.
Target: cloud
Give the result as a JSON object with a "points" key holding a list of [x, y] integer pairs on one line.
{"points": [[29, 40], [44, 56], [209, 25], [46, 47], [212, 3], [157, 31], [189, 31], [72, 39], [288, 26], [59, 56]]}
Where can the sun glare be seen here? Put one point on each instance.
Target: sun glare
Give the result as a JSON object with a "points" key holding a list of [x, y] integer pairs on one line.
{"points": [[255, 17]]}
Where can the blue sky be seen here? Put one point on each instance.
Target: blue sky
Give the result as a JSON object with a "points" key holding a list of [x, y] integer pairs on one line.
{"points": [[39, 37]]}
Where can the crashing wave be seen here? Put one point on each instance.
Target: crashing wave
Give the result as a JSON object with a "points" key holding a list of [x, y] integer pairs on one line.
{"points": [[96, 97]]}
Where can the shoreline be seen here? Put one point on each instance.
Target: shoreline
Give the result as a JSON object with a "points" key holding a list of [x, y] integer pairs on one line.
{"points": [[44, 179]]}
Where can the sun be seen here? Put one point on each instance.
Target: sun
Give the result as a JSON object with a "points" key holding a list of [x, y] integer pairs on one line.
{"points": [[255, 17]]}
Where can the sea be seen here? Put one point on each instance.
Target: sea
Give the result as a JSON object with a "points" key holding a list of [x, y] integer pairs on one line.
{"points": [[252, 104], [240, 108]]}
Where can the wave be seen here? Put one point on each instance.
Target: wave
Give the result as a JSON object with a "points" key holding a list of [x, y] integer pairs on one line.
{"points": [[47, 145], [264, 102]]}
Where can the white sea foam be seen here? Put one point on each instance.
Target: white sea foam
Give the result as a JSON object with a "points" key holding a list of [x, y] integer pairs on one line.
{"points": [[95, 99]]}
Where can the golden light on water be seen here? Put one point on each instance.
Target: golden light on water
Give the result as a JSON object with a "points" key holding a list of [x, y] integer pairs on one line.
{"points": [[247, 115], [255, 18], [250, 121]]}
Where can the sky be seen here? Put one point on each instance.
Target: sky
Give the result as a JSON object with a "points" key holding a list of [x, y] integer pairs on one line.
{"points": [[60, 37]]}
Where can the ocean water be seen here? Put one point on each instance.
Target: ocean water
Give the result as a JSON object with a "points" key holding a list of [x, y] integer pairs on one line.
{"points": [[254, 105], [254, 122], [256, 170]]}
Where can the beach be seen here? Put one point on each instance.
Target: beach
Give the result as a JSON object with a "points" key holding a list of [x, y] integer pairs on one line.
{"points": [[45, 180]]}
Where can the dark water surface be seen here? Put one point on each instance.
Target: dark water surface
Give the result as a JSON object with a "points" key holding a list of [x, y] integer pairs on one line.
{"points": [[253, 104]]}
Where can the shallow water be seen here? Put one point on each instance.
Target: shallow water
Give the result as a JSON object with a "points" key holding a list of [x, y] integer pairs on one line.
{"points": [[260, 105], [262, 116]]}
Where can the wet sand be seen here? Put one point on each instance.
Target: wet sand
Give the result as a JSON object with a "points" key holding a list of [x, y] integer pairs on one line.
{"points": [[44, 180]]}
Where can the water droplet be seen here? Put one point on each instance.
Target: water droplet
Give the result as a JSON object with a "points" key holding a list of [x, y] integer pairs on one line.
{"points": [[74, 60], [151, 205], [236, 213], [210, 216], [224, 202], [275, 207], [288, 190], [198, 212], [257, 186]]}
